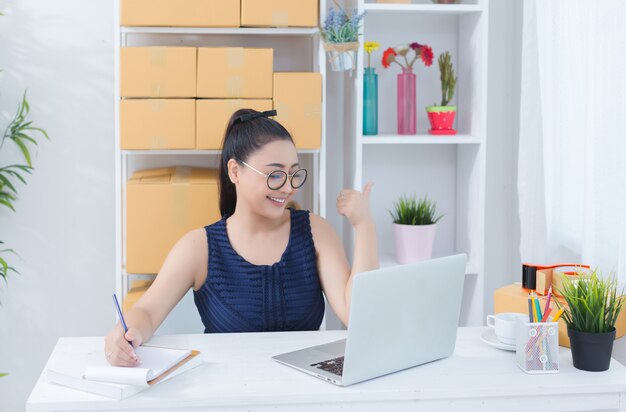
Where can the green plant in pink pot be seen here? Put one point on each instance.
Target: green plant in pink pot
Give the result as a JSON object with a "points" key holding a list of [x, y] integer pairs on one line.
{"points": [[442, 117]]}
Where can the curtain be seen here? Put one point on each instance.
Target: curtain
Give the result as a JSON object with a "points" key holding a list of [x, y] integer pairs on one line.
{"points": [[572, 146]]}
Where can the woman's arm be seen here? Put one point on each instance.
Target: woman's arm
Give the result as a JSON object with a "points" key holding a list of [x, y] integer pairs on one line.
{"points": [[184, 267], [335, 274]]}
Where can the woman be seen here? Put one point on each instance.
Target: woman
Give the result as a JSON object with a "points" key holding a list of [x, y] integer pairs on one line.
{"points": [[262, 267]]}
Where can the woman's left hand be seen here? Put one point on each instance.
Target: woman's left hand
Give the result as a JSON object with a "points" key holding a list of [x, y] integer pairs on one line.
{"points": [[355, 205]]}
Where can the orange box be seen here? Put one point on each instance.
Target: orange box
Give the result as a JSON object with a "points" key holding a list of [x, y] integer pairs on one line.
{"points": [[161, 206], [298, 103], [187, 13], [235, 72], [157, 124], [158, 71], [137, 289], [213, 115], [279, 13], [513, 298]]}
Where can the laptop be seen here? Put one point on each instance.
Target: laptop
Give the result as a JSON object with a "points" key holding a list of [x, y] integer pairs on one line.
{"points": [[400, 317]]}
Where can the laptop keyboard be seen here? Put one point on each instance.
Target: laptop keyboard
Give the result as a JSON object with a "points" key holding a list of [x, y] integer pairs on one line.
{"points": [[334, 366]]}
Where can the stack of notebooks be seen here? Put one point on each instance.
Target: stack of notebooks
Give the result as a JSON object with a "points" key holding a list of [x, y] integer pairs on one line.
{"points": [[92, 373]]}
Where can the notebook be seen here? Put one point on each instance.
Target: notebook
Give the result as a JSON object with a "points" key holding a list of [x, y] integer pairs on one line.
{"points": [[91, 372]]}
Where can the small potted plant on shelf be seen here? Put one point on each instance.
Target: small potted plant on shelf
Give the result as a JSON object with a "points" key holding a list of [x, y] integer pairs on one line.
{"points": [[442, 117], [341, 35], [593, 305], [406, 103], [414, 228]]}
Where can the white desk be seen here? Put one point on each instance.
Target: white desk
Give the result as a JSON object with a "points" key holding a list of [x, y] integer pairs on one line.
{"points": [[239, 375]]}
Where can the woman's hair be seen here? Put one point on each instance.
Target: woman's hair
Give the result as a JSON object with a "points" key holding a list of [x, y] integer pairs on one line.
{"points": [[247, 132]]}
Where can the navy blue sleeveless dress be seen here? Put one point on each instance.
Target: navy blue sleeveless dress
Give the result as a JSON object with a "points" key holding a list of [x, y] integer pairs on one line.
{"points": [[238, 296]]}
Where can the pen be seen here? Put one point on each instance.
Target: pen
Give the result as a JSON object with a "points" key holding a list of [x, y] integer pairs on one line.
{"points": [[548, 301], [538, 309], [121, 316], [530, 310]]}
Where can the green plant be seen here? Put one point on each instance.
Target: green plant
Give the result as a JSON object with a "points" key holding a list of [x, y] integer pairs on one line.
{"points": [[409, 211], [448, 78], [19, 131], [339, 28], [592, 303]]}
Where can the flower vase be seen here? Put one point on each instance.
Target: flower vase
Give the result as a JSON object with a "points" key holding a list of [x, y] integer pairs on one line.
{"points": [[370, 101], [406, 102]]}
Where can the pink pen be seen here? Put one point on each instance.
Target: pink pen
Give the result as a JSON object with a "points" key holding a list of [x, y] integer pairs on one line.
{"points": [[548, 301]]}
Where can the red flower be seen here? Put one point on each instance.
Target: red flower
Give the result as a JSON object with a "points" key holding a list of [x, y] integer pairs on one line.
{"points": [[415, 45], [426, 54], [388, 57]]}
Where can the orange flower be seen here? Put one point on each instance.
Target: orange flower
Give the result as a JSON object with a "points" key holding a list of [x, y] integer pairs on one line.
{"points": [[389, 56]]}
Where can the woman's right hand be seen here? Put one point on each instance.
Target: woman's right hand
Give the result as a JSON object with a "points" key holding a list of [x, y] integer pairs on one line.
{"points": [[118, 351]]}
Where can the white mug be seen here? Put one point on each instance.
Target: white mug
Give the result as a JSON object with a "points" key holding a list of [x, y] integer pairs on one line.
{"points": [[503, 325]]}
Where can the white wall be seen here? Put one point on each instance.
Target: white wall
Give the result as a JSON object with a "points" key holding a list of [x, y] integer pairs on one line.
{"points": [[62, 51]]}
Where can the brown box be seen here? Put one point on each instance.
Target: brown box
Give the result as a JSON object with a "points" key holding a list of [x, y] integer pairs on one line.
{"points": [[157, 124], [187, 13], [137, 289], [161, 206], [158, 72], [235, 72], [279, 13], [213, 115], [298, 102], [513, 298]]}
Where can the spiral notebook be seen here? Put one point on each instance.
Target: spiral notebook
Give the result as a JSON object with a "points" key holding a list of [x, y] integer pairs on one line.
{"points": [[91, 372]]}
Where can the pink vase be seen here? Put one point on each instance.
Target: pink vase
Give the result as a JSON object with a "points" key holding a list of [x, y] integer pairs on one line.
{"points": [[413, 242], [406, 102]]}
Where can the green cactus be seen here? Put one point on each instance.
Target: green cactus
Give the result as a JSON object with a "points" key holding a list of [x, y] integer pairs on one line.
{"points": [[448, 78]]}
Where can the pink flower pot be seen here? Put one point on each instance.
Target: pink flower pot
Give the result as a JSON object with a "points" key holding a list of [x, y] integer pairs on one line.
{"points": [[413, 242]]}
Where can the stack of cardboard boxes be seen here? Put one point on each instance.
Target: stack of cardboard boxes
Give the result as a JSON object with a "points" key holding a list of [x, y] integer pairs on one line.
{"points": [[182, 98]]}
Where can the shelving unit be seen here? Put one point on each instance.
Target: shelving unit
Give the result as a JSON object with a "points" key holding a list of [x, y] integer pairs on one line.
{"points": [[295, 49], [449, 169]]}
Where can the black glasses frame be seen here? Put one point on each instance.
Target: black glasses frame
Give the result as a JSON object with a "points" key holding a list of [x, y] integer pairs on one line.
{"points": [[284, 175]]}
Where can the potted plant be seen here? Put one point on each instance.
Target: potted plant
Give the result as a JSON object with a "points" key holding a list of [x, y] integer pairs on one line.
{"points": [[593, 305], [414, 228], [406, 104], [341, 34], [442, 117]]}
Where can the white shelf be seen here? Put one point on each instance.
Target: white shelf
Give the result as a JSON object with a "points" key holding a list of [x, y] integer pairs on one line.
{"points": [[174, 152], [423, 8], [260, 31], [387, 260], [420, 139]]}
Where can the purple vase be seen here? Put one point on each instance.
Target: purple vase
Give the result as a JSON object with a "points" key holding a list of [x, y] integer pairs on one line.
{"points": [[406, 102]]}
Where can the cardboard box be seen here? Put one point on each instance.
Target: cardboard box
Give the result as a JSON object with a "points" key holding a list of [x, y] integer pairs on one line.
{"points": [[137, 289], [298, 102], [187, 13], [279, 13], [213, 116], [157, 124], [235, 73], [513, 298], [158, 71], [161, 206]]}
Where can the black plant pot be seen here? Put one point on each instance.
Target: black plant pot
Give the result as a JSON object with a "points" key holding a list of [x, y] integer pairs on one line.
{"points": [[591, 351]]}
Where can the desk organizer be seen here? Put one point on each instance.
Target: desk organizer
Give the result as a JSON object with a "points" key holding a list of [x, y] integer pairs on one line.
{"points": [[537, 347]]}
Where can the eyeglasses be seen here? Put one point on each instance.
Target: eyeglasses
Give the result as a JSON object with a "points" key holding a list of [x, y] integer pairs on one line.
{"points": [[278, 178]]}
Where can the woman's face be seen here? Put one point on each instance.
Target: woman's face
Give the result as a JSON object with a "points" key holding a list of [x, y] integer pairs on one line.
{"points": [[253, 187]]}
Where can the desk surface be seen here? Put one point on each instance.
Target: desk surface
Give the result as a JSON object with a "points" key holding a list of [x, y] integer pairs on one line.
{"points": [[239, 374]]}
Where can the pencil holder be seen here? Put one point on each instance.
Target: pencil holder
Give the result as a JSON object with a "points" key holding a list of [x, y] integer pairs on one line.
{"points": [[537, 347]]}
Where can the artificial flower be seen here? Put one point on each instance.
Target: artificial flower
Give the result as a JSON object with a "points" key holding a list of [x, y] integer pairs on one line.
{"points": [[402, 49], [415, 45], [426, 55], [389, 56], [371, 46]]}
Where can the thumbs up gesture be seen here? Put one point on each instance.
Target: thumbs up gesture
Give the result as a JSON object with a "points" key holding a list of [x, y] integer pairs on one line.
{"points": [[355, 205]]}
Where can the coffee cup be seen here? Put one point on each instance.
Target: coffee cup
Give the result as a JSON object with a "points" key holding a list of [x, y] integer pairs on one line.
{"points": [[503, 325]]}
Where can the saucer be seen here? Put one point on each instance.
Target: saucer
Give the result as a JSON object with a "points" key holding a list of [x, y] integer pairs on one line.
{"points": [[489, 337]]}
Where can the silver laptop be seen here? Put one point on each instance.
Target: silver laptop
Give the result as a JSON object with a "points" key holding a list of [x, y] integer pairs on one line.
{"points": [[400, 317]]}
